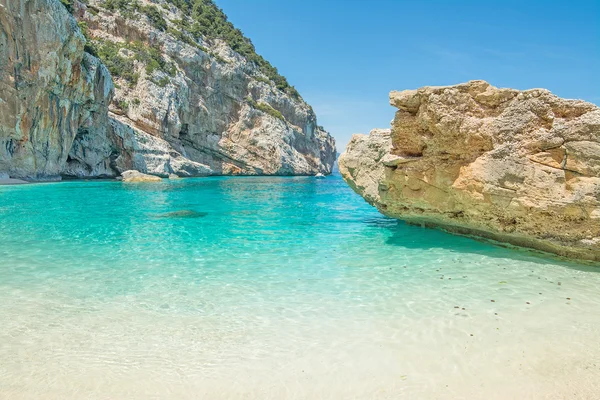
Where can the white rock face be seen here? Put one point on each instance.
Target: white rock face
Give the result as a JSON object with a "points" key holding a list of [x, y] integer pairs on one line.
{"points": [[211, 113], [124, 148], [49, 88], [521, 167]]}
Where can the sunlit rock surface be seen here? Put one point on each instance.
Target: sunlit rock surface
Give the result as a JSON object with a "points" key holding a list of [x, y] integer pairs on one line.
{"points": [[213, 113], [207, 105], [49, 88], [521, 167]]}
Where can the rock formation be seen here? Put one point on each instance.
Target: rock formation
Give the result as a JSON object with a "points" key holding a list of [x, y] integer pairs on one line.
{"points": [[215, 111], [521, 167], [136, 176], [49, 88], [183, 101]]}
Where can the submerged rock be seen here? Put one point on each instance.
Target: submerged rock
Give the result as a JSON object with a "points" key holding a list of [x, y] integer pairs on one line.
{"points": [[173, 176], [136, 176], [182, 214], [521, 167]]}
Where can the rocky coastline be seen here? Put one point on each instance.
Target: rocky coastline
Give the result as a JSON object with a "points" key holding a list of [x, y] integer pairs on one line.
{"points": [[90, 90], [518, 167]]}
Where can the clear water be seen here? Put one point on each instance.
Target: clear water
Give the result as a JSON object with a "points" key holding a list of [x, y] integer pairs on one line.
{"points": [[275, 288]]}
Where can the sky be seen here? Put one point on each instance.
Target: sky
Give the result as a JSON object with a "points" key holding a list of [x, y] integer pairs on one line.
{"points": [[345, 56]]}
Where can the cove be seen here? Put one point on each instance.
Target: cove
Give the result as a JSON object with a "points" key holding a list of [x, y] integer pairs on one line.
{"points": [[266, 287]]}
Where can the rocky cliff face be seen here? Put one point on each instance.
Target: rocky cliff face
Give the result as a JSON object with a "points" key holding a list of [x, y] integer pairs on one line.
{"points": [[183, 100], [208, 109], [49, 88], [521, 167]]}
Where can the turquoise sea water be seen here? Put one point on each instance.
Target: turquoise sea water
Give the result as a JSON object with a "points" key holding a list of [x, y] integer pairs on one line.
{"points": [[276, 288]]}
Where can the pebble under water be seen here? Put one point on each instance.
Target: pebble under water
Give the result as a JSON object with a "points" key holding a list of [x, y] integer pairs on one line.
{"points": [[275, 288]]}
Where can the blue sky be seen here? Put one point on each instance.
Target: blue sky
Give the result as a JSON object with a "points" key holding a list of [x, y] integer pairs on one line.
{"points": [[344, 57]]}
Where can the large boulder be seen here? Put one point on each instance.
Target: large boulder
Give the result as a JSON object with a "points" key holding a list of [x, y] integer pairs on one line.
{"points": [[521, 167], [136, 176]]}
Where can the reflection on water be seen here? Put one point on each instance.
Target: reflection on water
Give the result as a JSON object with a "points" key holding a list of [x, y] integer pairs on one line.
{"points": [[254, 288]]}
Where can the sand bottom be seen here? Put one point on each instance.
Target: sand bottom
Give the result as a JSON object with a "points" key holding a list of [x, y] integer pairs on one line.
{"points": [[280, 289]]}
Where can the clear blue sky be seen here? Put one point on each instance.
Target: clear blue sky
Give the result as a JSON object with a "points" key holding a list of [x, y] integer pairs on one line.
{"points": [[345, 56]]}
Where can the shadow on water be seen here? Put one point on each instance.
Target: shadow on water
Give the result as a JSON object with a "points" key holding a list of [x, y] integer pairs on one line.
{"points": [[415, 237]]}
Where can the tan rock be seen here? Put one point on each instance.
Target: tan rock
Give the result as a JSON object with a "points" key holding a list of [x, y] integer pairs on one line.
{"points": [[521, 167], [136, 176]]}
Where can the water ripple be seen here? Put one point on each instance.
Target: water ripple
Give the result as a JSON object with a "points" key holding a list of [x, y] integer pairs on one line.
{"points": [[270, 288]]}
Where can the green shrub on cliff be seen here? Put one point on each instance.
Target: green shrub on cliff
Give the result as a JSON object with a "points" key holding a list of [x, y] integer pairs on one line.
{"points": [[209, 21], [124, 67], [155, 17], [266, 108], [202, 19], [88, 47], [68, 5], [126, 7], [162, 82], [118, 65], [152, 57], [185, 37]]}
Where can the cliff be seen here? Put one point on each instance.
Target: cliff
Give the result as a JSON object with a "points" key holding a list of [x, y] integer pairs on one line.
{"points": [[49, 88], [521, 167], [183, 100]]}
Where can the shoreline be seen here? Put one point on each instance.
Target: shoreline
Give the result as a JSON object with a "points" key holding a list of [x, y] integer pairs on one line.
{"points": [[298, 289], [10, 182], [14, 181]]}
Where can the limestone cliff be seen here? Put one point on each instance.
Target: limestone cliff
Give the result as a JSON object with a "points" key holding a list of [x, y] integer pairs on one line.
{"points": [[213, 110], [521, 167], [49, 88], [183, 100]]}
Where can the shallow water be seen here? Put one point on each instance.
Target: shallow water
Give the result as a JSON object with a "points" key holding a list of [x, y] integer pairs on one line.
{"points": [[275, 288]]}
